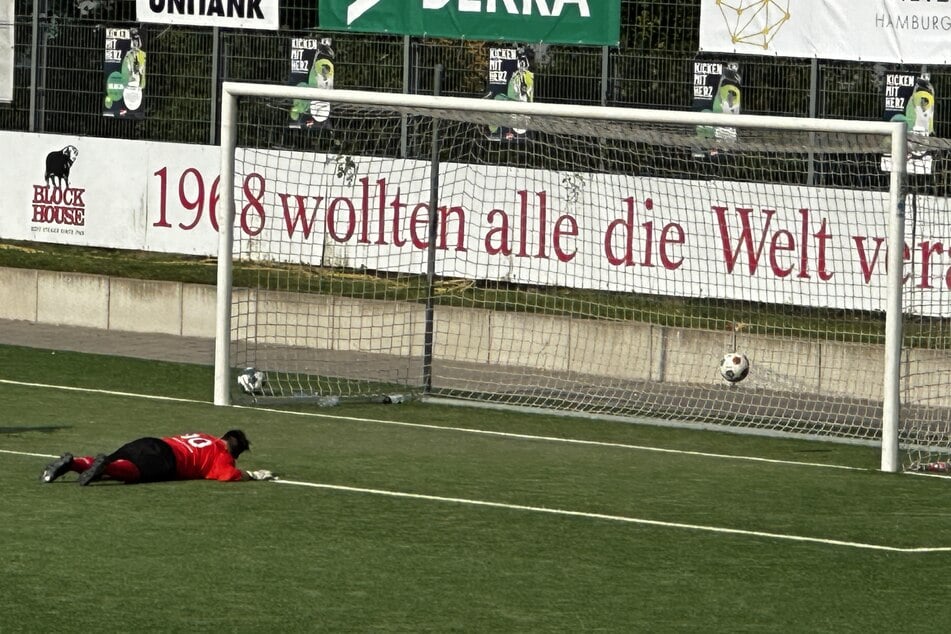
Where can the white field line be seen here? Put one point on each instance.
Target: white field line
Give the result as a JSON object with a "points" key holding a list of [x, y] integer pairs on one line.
{"points": [[518, 507], [622, 518], [89, 390], [26, 453]]}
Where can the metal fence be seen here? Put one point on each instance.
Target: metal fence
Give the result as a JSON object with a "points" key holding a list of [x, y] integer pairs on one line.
{"points": [[59, 69]]}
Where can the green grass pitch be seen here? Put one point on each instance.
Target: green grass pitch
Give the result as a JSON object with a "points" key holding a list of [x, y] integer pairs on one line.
{"points": [[420, 517]]}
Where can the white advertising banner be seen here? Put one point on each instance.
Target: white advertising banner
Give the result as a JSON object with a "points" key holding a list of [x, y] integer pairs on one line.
{"points": [[6, 50], [754, 241], [99, 192], [897, 31], [234, 14]]}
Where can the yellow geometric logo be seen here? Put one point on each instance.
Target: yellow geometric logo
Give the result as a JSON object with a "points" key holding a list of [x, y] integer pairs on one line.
{"points": [[754, 22]]}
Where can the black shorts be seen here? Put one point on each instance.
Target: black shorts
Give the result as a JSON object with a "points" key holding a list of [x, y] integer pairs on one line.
{"points": [[153, 457]]}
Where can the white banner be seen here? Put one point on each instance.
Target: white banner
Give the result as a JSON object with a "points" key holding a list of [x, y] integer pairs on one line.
{"points": [[235, 14], [754, 241], [7, 60], [897, 31]]}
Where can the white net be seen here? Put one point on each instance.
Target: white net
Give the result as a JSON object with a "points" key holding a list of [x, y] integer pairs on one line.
{"points": [[584, 266], [926, 358]]}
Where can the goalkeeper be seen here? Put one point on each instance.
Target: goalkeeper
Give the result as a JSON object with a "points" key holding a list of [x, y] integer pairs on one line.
{"points": [[185, 457]]}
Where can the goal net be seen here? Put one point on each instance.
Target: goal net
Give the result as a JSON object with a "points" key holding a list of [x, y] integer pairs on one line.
{"points": [[589, 261]]}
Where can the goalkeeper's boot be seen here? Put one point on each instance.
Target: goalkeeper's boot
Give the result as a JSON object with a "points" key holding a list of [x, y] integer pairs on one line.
{"points": [[57, 468], [95, 470]]}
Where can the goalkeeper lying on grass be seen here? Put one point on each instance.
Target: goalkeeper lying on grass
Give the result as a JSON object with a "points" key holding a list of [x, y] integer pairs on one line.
{"points": [[184, 457]]}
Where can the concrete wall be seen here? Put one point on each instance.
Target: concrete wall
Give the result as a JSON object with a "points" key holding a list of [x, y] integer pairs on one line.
{"points": [[108, 303], [545, 343]]}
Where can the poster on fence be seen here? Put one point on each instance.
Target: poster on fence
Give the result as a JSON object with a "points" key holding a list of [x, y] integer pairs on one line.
{"points": [[124, 70], [717, 87], [910, 99], [312, 64], [511, 78], [7, 40]]}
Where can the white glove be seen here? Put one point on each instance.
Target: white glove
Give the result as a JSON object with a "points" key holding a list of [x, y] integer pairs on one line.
{"points": [[262, 474]]}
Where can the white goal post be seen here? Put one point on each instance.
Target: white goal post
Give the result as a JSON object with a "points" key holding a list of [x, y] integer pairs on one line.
{"points": [[586, 260]]}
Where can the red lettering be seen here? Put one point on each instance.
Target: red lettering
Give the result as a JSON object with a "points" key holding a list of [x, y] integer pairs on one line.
{"points": [[460, 219], [570, 231], [626, 225], [254, 204], [381, 213], [731, 254], [419, 218], [866, 263], [70, 197], [522, 223], [672, 233], [927, 248], [351, 222], [58, 215], [299, 216], [396, 205], [500, 233], [782, 241]]}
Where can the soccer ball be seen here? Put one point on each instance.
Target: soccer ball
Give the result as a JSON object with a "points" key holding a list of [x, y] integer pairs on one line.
{"points": [[734, 367], [252, 381]]}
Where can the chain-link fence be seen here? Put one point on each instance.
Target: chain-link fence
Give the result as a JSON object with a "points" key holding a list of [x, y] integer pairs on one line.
{"points": [[59, 69]]}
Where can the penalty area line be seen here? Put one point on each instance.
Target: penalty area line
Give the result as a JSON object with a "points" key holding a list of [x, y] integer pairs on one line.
{"points": [[27, 453], [619, 518], [465, 430], [92, 390]]}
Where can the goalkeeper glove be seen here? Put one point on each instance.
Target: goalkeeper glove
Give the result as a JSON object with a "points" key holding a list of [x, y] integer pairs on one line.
{"points": [[262, 474]]}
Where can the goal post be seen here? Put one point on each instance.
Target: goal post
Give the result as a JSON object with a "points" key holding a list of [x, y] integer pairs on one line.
{"points": [[585, 260]]}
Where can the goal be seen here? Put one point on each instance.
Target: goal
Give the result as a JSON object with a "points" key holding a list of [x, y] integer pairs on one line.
{"points": [[589, 261]]}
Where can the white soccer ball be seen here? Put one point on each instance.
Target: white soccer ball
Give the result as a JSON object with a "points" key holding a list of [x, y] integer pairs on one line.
{"points": [[734, 367], [252, 381]]}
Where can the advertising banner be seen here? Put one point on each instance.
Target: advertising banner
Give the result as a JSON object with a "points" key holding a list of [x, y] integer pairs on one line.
{"points": [[232, 14], [6, 50], [124, 70], [312, 64], [511, 78], [733, 240], [595, 22], [896, 31]]}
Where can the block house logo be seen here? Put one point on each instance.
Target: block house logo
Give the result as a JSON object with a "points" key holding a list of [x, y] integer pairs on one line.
{"points": [[57, 204]]}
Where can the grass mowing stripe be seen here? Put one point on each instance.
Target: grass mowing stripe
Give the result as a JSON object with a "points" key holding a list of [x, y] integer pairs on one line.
{"points": [[621, 518], [486, 432]]}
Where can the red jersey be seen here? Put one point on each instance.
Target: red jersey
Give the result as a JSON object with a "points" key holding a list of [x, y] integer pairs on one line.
{"points": [[203, 457]]}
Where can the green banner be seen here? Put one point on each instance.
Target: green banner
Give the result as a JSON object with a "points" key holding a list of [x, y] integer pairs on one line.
{"points": [[593, 22]]}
